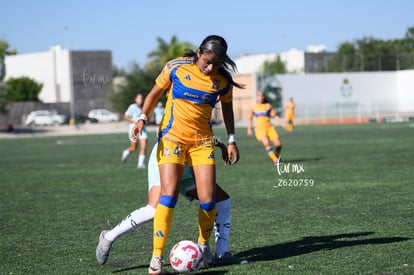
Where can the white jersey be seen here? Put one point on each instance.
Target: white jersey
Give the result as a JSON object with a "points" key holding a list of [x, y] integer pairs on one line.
{"points": [[133, 112]]}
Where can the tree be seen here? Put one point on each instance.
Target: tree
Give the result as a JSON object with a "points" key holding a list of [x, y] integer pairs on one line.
{"points": [[167, 51], [344, 59], [3, 52], [276, 66], [3, 99], [371, 54], [118, 71], [138, 80], [141, 80], [23, 89], [271, 86]]}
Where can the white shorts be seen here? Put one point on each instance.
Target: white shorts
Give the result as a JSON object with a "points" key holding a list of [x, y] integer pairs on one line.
{"points": [[187, 182], [144, 134]]}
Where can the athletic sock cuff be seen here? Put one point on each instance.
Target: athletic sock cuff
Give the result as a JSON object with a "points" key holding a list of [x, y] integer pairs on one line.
{"points": [[168, 201], [207, 206]]}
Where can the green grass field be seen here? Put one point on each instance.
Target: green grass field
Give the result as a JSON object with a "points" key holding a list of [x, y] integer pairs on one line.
{"points": [[343, 203]]}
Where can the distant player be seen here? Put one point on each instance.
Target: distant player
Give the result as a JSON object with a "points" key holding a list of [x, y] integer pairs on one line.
{"points": [[265, 132], [290, 109], [159, 111], [131, 115]]}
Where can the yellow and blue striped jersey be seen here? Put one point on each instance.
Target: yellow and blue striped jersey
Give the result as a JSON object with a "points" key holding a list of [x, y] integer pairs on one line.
{"points": [[262, 112], [191, 97], [290, 105]]}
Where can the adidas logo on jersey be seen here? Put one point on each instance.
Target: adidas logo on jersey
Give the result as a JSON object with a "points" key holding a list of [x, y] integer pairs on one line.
{"points": [[187, 77], [211, 156]]}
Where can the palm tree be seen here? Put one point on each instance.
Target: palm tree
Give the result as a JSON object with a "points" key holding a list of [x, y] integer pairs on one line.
{"points": [[167, 51], [4, 50]]}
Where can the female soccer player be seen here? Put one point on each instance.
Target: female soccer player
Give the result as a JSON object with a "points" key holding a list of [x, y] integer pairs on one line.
{"points": [[265, 131], [290, 110], [145, 214], [194, 82], [131, 115]]}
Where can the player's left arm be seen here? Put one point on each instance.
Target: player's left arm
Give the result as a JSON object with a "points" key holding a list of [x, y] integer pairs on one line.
{"points": [[278, 119], [228, 117], [281, 122], [149, 105], [223, 149]]}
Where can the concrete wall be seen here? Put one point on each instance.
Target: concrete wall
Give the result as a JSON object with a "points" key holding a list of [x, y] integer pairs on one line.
{"points": [[242, 98], [366, 94], [405, 82], [92, 79], [340, 97]]}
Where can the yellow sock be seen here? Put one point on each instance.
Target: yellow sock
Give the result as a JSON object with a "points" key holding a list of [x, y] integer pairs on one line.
{"points": [[162, 223], [205, 224], [271, 154]]}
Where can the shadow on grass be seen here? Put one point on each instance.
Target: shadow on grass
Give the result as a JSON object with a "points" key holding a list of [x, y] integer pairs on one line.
{"points": [[28, 130], [145, 267], [312, 244], [301, 160], [131, 268], [304, 246]]}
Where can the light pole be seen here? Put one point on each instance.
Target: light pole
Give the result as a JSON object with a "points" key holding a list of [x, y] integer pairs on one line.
{"points": [[72, 94]]}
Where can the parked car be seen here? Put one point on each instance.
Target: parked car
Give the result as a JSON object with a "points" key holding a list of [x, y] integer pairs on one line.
{"points": [[44, 117], [80, 119], [103, 115]]}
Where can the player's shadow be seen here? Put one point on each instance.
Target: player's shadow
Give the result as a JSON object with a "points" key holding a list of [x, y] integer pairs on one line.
{"points": [[312, 244], [285, 250], [301, 160], [168, 270]]}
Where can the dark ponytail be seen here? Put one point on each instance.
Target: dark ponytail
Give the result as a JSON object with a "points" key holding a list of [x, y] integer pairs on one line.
{"points": [[216, 44]]}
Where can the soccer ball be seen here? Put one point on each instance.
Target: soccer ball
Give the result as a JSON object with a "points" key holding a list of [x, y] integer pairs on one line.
{"points": [[186, 257]]}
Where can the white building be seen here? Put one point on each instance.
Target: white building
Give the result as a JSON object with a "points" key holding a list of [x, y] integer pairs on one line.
{"points": [[294, 60], [50, 68], [81, 79]]}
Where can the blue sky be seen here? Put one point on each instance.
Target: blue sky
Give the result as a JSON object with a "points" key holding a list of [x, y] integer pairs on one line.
{"points": [[129, 28]]}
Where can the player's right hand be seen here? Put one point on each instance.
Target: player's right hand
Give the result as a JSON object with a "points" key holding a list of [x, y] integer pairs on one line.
{"points": [[137, 130], [224, 154], [233, 154]]}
